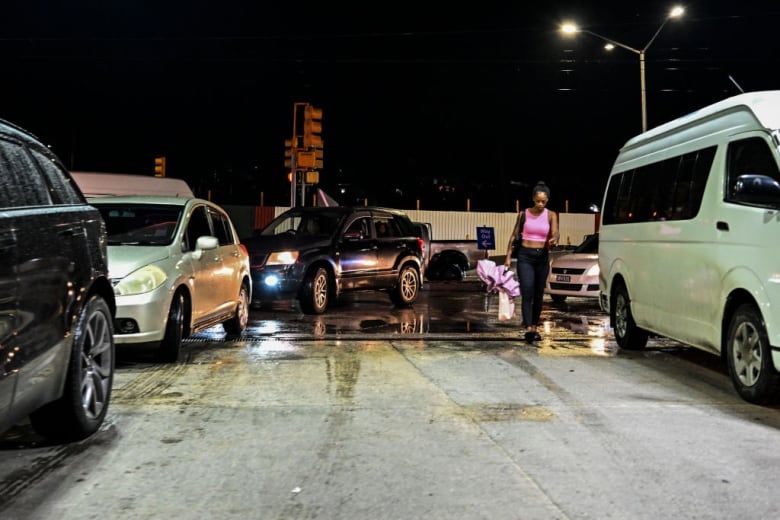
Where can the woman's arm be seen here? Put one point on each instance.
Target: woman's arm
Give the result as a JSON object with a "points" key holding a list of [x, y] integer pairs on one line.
{"points": [[554, 233], [515, 233]]}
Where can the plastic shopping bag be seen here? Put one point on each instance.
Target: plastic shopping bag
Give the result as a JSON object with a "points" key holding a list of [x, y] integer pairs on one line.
{"points": [[506, 306]]}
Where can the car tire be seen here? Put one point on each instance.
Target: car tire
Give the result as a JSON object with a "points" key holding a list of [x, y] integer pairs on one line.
{"points": [[81, 409], [408, 287], [749, 357], [315, 294], [558, 298], [236, 325], [170, 346], [627, 334], [452, 273]]}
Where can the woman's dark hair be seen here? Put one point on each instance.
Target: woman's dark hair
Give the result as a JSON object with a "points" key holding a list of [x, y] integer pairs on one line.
{"points": [[541, 187]]}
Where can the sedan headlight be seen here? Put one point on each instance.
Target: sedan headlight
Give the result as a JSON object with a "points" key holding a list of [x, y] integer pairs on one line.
{"points": [[593, 271], [145, 279], [282, 258]]}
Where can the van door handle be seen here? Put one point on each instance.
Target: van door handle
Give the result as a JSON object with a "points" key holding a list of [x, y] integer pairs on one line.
{"points": [[722, 226]]}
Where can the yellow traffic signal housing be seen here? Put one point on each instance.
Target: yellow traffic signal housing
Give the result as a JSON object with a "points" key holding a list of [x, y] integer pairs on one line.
{"points": [[288, 153], [312, 127], [159, 166], [312, 177]]}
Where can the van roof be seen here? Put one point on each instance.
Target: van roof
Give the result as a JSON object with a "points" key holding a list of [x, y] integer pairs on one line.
{"points": [[764, 105], [744, 112], [96, 184]]}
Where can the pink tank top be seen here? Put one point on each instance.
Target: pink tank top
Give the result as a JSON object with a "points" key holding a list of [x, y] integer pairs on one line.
{"points": [[535, 228]]}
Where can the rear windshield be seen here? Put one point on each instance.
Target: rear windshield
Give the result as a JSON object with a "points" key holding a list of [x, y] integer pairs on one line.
{"points": [[140, 225]]}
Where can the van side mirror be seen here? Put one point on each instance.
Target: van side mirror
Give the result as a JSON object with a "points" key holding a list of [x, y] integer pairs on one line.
{"points": [[757, 189]]}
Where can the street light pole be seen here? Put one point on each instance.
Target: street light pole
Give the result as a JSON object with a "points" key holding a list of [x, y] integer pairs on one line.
{"points": [[676, 12]]}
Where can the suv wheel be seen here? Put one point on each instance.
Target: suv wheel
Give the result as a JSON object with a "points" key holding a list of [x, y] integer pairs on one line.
{"points": [[408, 287], [84, 402], [314, 296]]}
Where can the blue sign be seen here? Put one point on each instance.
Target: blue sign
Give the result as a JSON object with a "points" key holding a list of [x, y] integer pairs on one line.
{"points": [[486, 239]]}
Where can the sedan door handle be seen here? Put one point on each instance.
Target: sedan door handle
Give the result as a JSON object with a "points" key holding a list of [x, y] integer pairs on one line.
{"points": [[722, 226]]}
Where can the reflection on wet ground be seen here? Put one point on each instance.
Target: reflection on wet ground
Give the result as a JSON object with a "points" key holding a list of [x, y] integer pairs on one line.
{"points": [[447, 310]]}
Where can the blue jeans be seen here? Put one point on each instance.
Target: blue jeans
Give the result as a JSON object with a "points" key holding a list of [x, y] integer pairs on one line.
{"points": [[533, 266]]}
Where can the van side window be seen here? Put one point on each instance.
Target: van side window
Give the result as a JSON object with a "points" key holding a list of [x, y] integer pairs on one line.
{"points": [[749, 156], [671, 189]]}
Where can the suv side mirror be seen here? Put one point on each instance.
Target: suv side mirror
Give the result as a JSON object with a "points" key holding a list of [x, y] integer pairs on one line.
{"points": [[353, 235]]}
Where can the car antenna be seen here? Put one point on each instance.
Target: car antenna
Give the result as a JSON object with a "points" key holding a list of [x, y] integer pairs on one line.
{"points": [[736, 84]]}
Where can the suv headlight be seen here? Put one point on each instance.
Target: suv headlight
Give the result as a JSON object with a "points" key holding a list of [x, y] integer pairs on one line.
{"points": [[145, 279], [282, 258]]}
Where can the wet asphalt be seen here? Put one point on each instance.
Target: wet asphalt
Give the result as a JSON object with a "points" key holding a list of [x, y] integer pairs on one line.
{"points": [[444, 310]]}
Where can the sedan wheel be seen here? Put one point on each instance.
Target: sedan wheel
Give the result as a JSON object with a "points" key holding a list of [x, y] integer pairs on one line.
{"points": [[237, 324], [170, 347]]}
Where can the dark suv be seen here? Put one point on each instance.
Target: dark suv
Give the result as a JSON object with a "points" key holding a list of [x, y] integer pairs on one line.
{"points": [[56, 303], [314, 254]]}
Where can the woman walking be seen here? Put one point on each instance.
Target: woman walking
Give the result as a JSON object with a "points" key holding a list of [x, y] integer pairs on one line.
{"points": [[536, 229]]}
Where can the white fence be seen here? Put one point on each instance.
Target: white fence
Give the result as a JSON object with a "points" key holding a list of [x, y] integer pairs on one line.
{"points": [[462, 225]]}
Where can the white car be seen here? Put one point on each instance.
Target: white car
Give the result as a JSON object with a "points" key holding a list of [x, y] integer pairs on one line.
{"points": [[177, 267], [575, 273]]}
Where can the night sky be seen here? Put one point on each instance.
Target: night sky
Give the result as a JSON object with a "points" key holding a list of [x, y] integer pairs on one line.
{"points": [[486, 98]]}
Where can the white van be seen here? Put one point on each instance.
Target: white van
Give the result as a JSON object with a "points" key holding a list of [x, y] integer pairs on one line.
{"points": [[690, 238], [97, 184]]}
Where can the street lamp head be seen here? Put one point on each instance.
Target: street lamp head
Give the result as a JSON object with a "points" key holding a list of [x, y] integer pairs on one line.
{"points": [[677, 11], [609, 46], [569, 28]]}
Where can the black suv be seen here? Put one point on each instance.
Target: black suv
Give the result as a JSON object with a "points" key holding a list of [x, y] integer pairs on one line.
{"points": [[56, 303], [314, 254]]}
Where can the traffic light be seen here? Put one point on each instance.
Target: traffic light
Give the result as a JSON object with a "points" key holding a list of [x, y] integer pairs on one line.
{"points": [[312, 127], [289, 150], [159, 166]]}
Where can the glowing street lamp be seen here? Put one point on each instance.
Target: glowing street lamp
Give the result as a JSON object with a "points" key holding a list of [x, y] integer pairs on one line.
{"points": [[676, 12]]}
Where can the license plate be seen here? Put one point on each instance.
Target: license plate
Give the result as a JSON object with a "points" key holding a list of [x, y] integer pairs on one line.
{"points": [[562, 278]]}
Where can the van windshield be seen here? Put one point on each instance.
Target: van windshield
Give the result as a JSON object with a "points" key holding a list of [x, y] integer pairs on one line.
{"points": [[589, 246]]}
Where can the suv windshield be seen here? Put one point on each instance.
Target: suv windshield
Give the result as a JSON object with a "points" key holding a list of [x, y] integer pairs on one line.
{"points": [[304, 224]]}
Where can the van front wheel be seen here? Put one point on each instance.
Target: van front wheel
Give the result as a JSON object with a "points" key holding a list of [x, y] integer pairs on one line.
{"points": [[627, 334], [749, 357]]}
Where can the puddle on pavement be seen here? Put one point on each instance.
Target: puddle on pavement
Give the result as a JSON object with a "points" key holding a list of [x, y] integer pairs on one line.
{"points": [[494, 412]]}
